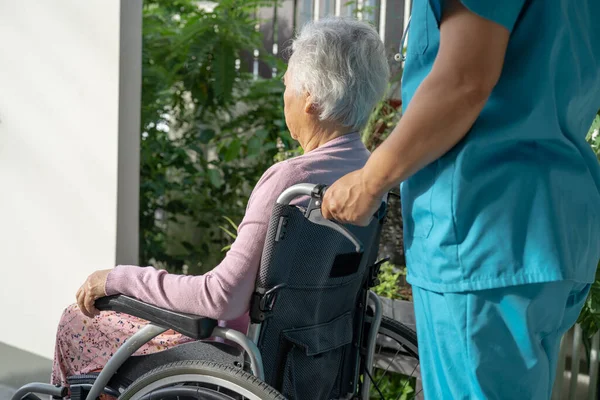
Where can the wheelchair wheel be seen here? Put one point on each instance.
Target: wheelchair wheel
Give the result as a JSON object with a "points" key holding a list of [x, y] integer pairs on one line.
{"points": [[396, 363], [199, 379]]}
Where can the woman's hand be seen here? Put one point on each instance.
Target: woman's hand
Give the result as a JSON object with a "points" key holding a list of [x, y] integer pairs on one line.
{"points": [[91, 290], [348, 200]]}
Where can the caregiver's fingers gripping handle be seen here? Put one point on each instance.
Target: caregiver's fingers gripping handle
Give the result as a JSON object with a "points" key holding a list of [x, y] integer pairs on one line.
{"points": [[313, 212]]}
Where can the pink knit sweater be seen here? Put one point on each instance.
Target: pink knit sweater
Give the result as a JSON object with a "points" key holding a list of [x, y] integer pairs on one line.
{"points": [[224, 293]]}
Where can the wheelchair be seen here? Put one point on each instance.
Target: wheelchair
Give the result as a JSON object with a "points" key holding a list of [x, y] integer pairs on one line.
{"points": [[316, 332]]}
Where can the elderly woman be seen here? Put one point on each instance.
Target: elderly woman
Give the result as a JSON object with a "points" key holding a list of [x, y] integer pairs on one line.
{"points": [[337, 73]]}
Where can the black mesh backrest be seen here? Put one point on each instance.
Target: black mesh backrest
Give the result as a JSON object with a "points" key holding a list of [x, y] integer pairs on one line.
{"points": [[307, 339]]}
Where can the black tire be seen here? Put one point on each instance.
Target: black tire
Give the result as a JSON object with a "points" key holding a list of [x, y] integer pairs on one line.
{"points": [[203, 370], [402, 333]]}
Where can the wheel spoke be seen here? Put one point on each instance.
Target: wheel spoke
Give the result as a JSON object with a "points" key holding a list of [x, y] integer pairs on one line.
{"points": [[396, 354], [405, 383], [416, 394], [388, 367]]}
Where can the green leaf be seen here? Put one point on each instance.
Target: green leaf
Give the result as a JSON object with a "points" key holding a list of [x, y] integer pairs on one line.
{"points": [[188, 246], [228, 232], [233, 150], [589, 318], [175, 206], [214, 175], [233, 224], [254, 145], [196, 148], [206, 135], [261, 134], [269, 146], [389, 276], [223, 68]]}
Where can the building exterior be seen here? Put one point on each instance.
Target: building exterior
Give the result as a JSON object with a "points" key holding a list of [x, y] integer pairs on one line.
{"points": [[69, 160]]}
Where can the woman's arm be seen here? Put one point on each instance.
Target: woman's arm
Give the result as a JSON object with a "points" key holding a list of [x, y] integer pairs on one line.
{"points": [[224, 292]]}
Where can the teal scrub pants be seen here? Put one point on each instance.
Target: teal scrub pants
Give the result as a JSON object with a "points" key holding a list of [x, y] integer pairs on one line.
{"points": [[494, 344]]}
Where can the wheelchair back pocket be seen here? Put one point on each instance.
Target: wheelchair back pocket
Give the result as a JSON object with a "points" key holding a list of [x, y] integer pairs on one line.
{"points": [[313, 363]]}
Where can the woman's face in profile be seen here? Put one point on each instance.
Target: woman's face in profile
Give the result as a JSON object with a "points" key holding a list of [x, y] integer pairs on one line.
{"points": [[293, 106]]}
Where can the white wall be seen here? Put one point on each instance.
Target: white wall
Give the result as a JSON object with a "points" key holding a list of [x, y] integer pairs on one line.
{"points": [[69, 117]]}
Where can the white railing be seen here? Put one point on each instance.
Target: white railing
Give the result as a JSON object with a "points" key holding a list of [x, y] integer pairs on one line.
{"points": [[572, 383], [279, 23]]}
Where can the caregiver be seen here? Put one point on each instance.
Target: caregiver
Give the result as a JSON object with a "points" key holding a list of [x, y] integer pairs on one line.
{"points": [[500, 191]]}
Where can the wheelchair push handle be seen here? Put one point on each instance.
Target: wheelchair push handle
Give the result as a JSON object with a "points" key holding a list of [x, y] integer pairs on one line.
{"points": [[313, 212], [299, 190]]}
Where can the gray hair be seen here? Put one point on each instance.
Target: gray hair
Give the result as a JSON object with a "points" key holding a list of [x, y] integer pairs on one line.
{"points": [[341, 62]]}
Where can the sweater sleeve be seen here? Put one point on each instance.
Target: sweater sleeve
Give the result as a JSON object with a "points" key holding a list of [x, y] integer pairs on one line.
{"points": [[223, 293]]}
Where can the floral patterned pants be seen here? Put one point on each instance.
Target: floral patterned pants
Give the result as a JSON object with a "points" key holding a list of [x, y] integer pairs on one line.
{"points": [[85, 345]]}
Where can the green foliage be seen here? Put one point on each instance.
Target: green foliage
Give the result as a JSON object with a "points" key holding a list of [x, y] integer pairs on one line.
{"points": [[286, 153], [209, 129], [365, 11], [589, 318], [228, 232], [392, 386], [381, 123], [386, 114], [390, 282], [593, 136]]}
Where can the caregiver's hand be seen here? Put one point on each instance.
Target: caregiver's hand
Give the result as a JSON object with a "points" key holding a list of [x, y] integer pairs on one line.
{"points": [[349, 201], [91, 290]]}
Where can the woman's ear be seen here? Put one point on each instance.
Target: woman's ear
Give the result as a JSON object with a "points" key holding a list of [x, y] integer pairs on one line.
{"points": [[310, 107]]}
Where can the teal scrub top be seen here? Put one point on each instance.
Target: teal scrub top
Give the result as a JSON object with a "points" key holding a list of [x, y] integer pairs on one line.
{"points": [[518, 199]]}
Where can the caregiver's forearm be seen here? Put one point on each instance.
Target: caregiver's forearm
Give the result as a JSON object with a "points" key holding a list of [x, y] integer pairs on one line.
{"points": [[442, 111], [467, 67]]}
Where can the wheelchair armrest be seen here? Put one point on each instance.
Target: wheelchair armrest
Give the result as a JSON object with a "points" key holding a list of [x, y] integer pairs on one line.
{"points": [[192, 326]]}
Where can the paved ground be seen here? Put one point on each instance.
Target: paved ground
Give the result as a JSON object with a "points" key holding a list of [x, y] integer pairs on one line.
{"points": [[6, 392], [18, 367]]}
